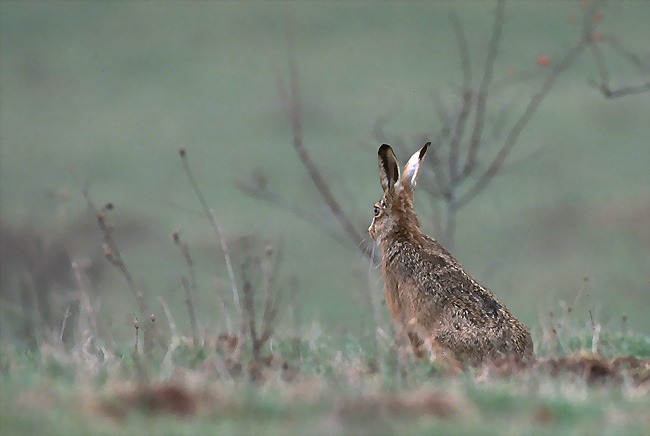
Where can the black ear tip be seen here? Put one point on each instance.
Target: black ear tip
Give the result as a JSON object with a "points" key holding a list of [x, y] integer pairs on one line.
{"points": [[383, 150], [424, 149]]}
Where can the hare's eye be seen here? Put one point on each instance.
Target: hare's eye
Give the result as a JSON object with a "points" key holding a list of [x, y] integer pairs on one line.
{"points": [[377, 210]]}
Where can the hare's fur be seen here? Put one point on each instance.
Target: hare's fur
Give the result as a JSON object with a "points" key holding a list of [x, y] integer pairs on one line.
{"points": [[434, 301]]}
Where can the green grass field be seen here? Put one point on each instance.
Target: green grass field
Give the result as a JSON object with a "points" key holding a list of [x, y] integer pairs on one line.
{"points": [[106, 93], [326, 385]]}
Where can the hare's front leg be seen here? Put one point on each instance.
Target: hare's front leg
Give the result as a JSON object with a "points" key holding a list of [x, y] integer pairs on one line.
{"points": [[442, 356], [417, 345]]}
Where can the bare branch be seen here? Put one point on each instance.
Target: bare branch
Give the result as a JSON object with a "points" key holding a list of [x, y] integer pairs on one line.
{"points": [[435, 185], [603, 72], [466, 105], [303, 154], [442, 113], [275, 200], [482, 97], [624, 91], [600, 64], [622, 51], [483, 181]]}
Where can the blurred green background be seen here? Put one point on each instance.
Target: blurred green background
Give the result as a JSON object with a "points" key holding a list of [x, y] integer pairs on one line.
{"points": [[108, 91]]}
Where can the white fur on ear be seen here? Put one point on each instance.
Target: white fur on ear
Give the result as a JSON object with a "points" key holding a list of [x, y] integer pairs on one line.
{"points": [[412, 168]]}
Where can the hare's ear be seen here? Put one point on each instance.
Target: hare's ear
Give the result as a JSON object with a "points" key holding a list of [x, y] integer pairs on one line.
{"points": [[412, 168], [388, 168]]}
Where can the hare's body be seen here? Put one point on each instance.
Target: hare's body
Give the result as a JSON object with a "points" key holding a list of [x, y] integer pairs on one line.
{"points": [[429, 294]]}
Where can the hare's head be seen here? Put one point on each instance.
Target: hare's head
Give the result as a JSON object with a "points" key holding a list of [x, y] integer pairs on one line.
{"points": [[395, 209]]}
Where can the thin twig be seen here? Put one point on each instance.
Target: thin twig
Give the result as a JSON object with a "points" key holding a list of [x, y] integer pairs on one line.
{"points": [[482, 97], [275, 200], [271, 310], [624, 91], [84, 298], [170, 319], [190, 286], [267, 283], [249, 309], [224, 306], [442, 113], [603, 85], [484, 180], [466, 105], [216, 226], [190, 311], [622, 51], [569, 58], [65, 321], [34, 322], [136, 326], [295, 112]]}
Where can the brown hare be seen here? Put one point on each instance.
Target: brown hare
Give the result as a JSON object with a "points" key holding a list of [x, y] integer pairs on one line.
{"points": [[433, 300]]}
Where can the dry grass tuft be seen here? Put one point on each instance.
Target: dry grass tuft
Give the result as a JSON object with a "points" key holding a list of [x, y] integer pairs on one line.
{"points": [[598, 369], [165, 398], [425, 402]]}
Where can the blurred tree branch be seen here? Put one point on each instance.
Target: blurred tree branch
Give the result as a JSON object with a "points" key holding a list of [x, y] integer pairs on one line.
{"points": [[465, 157]]}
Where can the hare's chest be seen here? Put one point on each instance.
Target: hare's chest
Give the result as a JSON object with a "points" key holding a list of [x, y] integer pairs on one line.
{"points": [[398, 297]]}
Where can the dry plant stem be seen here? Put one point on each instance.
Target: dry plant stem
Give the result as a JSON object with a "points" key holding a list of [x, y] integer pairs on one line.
{"points": [[29, 286], [140, 369], [172, 326], [167, 365], [217, 228], [136, 325], [260, 336], [272, 305], [376, 295], [83, 283], [190, 311], [223, 303], [190, 287], [271, 308], [64, 323], [113, 255], [298, 144], [271, 300], [31, 325], [249, 308]]}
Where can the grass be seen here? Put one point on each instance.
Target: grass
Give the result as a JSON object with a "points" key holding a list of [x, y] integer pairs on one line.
{"points": [[334, 384]]}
